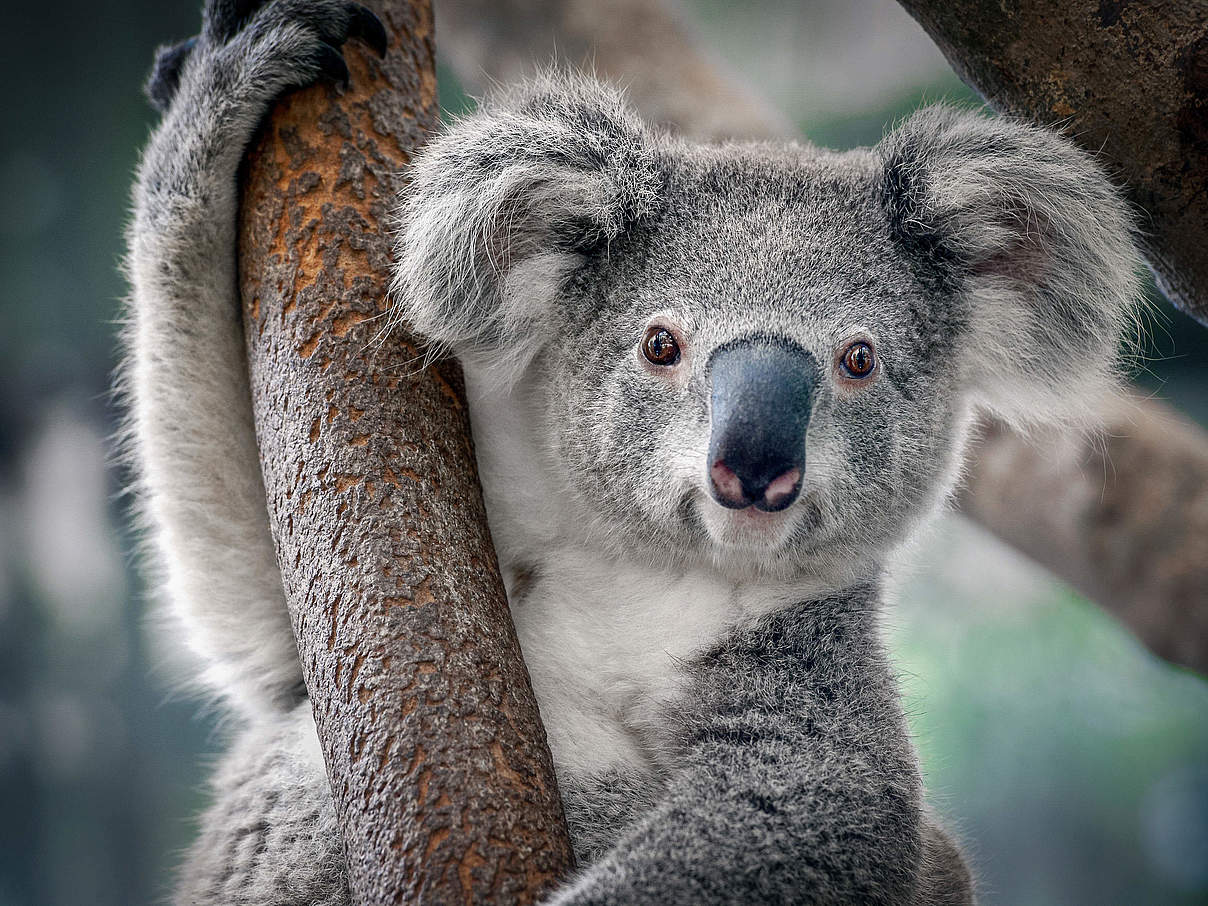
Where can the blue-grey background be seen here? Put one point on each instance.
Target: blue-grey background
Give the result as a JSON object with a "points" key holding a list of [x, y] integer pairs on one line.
{"points": [[1074, 763]]}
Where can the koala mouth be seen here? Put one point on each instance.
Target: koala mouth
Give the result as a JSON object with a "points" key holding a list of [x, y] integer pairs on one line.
{"points": [[750, 529]]}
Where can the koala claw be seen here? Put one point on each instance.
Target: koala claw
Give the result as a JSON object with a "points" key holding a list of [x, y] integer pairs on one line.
{"points": [[368, 27], [332, 66], [337, 22]]}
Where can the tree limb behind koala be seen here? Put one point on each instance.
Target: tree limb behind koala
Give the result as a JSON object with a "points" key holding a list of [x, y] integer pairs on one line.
{"points": [[1151, 474], [439, 766]]}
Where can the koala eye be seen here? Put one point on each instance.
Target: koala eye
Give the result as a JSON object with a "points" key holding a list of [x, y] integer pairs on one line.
{"points": [[858, 360], [660, 348]]}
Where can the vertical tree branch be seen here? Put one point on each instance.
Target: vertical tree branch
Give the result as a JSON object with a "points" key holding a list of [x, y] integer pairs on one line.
{"points": [[438, 762], [1135, 541]]}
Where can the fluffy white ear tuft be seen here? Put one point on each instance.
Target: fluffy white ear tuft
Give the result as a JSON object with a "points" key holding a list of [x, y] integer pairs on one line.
{"points": [[1037, 249], [505, 205]]}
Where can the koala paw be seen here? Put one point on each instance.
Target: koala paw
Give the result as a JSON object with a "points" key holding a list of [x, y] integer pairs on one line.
{"points": [[267, 48], [290, 43]]}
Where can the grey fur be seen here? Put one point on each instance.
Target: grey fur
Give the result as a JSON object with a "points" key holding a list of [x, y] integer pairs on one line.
{"points": [[195, 453], [723, 719], [556, 171], [271, 834], [796, 779]]}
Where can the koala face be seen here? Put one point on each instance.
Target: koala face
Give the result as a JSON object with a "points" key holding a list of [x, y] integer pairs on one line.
{"points": [[764, 357], [727, 387]]}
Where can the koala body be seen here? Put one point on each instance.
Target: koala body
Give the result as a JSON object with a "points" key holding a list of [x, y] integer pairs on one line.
{"points": [[714, 390]]}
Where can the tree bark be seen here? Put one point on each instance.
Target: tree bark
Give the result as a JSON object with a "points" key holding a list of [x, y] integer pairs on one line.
{"points": [[1138, 473], [438, 762], [1125, 79], [1125, 513]]}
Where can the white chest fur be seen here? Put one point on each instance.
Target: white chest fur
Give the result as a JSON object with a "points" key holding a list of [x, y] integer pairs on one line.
{"points": [[605, 642]]}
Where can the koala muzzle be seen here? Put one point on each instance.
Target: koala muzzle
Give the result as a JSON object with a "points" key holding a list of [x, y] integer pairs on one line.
{"points": [[762, 392]]}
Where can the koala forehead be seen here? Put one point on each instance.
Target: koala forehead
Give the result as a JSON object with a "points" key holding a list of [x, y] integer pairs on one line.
{"points": [[752, 237]]}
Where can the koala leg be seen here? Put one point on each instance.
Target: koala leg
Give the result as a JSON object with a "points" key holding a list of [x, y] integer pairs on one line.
{"points": [[185, 379], [271, 837]]}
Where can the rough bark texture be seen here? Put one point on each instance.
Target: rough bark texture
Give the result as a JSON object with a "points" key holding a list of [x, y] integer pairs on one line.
{"points": [[1127, 80], [1126, 513], [437, 758], [1106, 545]]}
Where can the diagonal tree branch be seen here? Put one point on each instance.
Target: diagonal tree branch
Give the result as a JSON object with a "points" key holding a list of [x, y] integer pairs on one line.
{"points": [[1131, 531], [438, 762], [640, 44], [1123, 517]]}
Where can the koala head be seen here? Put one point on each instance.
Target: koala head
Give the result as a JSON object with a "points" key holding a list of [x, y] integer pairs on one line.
{"points": [[763, 356]]}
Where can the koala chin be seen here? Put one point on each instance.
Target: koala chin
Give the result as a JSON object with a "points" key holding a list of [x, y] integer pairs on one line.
{"points": [[714, 389]]}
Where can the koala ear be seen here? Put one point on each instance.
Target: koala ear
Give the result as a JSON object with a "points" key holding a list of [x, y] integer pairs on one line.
{"points": [[507, 203], [1033, 244]]}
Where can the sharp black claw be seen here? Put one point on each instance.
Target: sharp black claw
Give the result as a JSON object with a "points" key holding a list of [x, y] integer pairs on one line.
{"points": [[332, 65], [368, 27]]}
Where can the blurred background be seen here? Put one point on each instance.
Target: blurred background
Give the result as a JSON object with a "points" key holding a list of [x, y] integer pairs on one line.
{"points": [[1073, 762]]}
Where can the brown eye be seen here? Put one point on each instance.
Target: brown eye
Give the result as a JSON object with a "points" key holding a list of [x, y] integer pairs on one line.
{"points": [[858, 360], [660, 347]]}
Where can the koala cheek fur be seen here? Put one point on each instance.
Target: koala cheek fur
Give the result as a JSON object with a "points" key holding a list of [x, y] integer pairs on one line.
{"points": [[723, 719]]}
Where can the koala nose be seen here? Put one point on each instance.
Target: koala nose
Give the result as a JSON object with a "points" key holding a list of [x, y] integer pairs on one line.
{"points": [[761, 396]]}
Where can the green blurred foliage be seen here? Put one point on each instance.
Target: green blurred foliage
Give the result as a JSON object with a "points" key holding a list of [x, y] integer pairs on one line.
{"points": [[1074, 763]]}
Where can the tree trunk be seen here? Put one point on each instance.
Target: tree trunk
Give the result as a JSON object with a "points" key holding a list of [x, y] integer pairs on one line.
{"points": [[1125, 79], [437, 759], [1155, 581]]}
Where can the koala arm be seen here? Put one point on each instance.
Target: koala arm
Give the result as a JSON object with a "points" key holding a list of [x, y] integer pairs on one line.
{"points": [[190, 424], [800, 784]]}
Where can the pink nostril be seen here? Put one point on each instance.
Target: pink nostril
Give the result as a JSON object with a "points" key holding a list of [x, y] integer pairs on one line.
{"points": [[782, 487], [727, 484]]}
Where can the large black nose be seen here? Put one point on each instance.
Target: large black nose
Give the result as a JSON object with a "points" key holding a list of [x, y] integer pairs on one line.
{"points": [[762, 391]]}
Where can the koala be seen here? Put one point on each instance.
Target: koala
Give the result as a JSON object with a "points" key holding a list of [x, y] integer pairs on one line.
{"points": [[715, 390]]}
